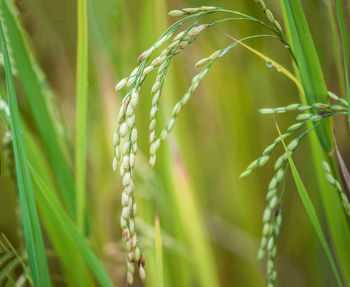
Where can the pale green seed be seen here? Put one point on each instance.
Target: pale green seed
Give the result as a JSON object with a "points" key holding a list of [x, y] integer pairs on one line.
{"points": [[269, 149], [326, 167], [273, 183], [266, 111], [293, 144], [330, 178], [269, 15], [273, 202], [294, 127], [292, 107], [267, 215], [303, 117], [303, 108], [263, 160]]}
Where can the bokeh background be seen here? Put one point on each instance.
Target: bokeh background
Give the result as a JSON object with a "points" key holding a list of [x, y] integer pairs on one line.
{"points": [[211, 220]]}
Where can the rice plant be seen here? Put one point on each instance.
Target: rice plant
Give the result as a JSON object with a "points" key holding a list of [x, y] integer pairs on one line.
{"points": [[82, 226]]}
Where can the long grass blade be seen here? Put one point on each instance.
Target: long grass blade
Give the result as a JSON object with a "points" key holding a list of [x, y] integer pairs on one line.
{"points": [[309, 67], [37, 92], [75, 271], [81, 112], [310, 209], [32, 232], [69, 231]]}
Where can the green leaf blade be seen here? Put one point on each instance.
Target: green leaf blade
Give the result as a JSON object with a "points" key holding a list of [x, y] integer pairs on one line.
{"points": [[36, 93], [32, 231], [308, 63], [311, 212]]}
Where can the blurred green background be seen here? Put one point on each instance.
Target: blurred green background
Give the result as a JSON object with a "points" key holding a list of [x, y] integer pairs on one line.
{"points": [[211, 220]]}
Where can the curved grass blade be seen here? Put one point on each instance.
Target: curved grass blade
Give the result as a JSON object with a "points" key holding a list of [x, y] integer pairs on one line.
{"points": [[69, 231], [32, 232], [36, 93], [343, 168], [311, 212], [75, 271], [309, 67], [14, 251]]}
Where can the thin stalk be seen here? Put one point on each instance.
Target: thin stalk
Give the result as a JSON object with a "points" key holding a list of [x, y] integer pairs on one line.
{"points": [[279, 67], [81, 112]]}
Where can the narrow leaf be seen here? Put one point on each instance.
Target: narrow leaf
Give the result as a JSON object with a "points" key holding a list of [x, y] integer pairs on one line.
{"points": [[37, 93], [67, 227], [311, 212], [32, 232], [81, 114], [308, 64], [343, 168]]}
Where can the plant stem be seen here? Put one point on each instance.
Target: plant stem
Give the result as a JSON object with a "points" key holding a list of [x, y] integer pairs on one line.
{"points": [[81, 112]]}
